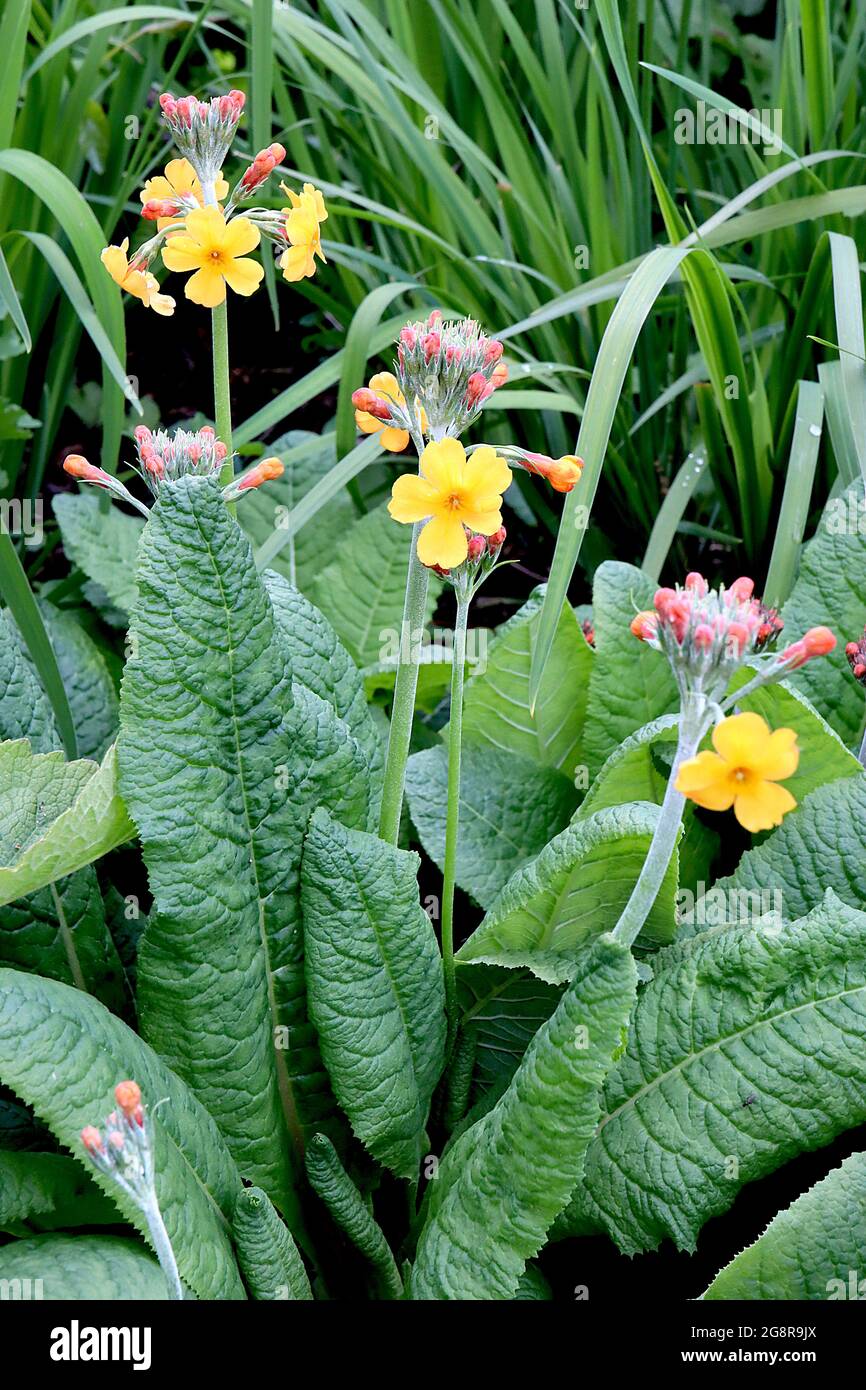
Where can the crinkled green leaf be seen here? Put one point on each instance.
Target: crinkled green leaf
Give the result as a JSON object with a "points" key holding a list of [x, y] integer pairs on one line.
{"points": [[572, 891], [221, 763], [831, 592], [270, 1260], [497, 707], [747, 1047], [814, 1250], [820, 845], [503, 1009], [55, 817], [60, 931], [87, 680], [50, 1190], [374, 985], [102, 543], [823, 755], [631, 685], [361, 591], [25, 710], [81, 1268], [505, 1179], [632, 772], [321, 663], [509, 808], [63, 1053]]}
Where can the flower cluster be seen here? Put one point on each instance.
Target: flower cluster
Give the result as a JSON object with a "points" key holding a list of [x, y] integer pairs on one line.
{"points": [[163, 457], [856, 654], [122, 1150], [458, 499], [198, 231], [707, 634]]}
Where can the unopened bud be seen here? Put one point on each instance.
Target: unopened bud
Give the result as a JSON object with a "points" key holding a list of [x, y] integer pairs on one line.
{"points": [[263, 472], [78, 467], [128, 1096], [499, 375], [155, 208], [644, 625], [497, 540], [476, 547], [91, 1139]]}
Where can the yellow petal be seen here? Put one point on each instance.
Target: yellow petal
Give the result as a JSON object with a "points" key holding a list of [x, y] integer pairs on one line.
{"points": [[486, 472], [395, 441], [443, 542], [762, 806], [741, 739], [158, 187], [207, 226], [779, 756], [485, 522], [297, 263], [412, 498], [115, 262], [706, 780], [387, 387], [182, 253], [367, 423], [443, 462], [162, 304], [206, 287], [243, 275], [241, 236], [180, 178]]}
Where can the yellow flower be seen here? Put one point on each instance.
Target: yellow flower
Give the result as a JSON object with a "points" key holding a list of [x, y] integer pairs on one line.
{"points": [[385, 386], [748, 762], [214, 249], [180, 179], [140, 283], [305, 242], [311, 197], [454, 492]]}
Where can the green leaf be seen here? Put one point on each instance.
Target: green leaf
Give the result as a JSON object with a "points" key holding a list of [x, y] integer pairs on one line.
{"points": [[434, 677], [25, 710], [102, 543], [349, 1211], [321, 663], [375, 986], [60, 931], [220, 771], [503, 1009], [831, 592], [814, 1250], [630, 684], [505, 1179], [497, 709], [81, 1268], [48, 1190], [509, 809], [56, 816], [823, 756], [820, 845], [87, 680], [630, 772], [63, 1053], [574, 889], [16, 592], [746, 1048], [361, 592], [269, 1259], [307, 459]]}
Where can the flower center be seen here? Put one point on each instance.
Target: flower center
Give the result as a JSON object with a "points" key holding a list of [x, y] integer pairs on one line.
{"points": [[216, 256], [741, 774], [454, 502]]}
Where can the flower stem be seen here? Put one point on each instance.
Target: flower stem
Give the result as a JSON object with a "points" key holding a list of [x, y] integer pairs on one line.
{"points": [[452, 813], [162, 1246], [221, 393], [405, 686], [862, 754], [694, 721]]}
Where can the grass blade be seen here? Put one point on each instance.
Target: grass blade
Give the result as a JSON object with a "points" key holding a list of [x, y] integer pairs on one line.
{"points": [[22, 605], [671, 512], [798, 491]]}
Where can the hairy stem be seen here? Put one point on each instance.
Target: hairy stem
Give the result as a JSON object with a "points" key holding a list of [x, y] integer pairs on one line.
{"points": [[221, 394], [452, 814], [162, 1246], [694, 721], [403, 707]]}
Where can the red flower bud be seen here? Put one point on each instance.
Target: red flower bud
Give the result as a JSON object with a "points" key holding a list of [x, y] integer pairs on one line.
{"points": [[91, 1139], [155, 208], [128, 1096], [742, 588], [478, 389], [696, 583], [476, 547], [497, 540], [818, 641], [78, 467]]}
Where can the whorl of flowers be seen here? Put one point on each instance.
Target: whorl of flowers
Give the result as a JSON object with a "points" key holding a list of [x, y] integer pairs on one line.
{"points": [[203, 130], [707, 634], [122, 1149]]}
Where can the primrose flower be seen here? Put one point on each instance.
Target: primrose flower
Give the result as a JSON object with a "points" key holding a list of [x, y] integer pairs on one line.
{"points": [[455, 496], [135, 279], [178, 188], [373, 406], [303, 235], [214, 249], [744, 771], [310, 196], [203, 132]]}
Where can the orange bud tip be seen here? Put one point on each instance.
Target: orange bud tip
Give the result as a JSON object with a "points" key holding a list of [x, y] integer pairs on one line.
{"points": [[643, 625], [128, 1096], [263, 472], [91, 1139], [818, 641], [78, 467]]}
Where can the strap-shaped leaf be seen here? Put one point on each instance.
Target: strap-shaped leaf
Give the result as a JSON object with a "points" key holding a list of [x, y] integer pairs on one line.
{"points": [[573, 890], [630, 683], [503, 1182], [61, 1268], [498, 710], [55, 817], [831, 590], [748, 1046], [220, 767], [63, 1053], [375, 986], [815, 1249], [270, 1260], [509, 808]]}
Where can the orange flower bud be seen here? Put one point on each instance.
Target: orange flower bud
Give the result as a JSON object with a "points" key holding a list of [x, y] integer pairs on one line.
{"points": [[818, 641], [499, 376], [78, 467], [643, 625], [128, 1096], [91, 1139], [262, 473]]}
